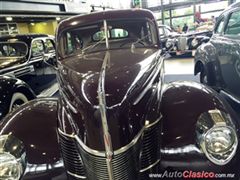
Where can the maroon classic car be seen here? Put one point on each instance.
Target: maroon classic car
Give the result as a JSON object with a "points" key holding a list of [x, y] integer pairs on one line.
{"points": [[115, 118]]}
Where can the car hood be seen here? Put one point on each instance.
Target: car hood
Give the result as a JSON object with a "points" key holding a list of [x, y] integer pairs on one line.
{"points": [[128, 75], [190, 34], [11, 61], [126, 72]]}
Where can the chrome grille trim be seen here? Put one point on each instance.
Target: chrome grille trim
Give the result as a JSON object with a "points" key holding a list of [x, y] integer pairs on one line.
{"points": [[149, 167], [125, 166], [119, 156], [150, 145], [121, 150], [152, 124], [76, 176], [71, 157]]}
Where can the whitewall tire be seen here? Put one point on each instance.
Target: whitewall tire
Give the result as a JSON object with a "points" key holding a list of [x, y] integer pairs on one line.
{"points": [[17, 100]]}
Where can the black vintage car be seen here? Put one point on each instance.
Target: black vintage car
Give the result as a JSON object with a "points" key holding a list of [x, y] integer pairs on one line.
{"points": [[189, 42], [115, 118], [218, 61], [22, 54], [22, 57]]}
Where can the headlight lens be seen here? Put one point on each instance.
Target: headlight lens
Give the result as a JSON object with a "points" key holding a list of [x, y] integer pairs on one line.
{"points": [[12, 158], [194, 42], [217, 136], [10, 168], [169, 43], [219, 140]]}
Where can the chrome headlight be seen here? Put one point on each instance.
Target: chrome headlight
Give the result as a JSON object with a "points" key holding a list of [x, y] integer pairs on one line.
{"points": [[12, 158], [169, 44], [217, 136], [194, 42]]}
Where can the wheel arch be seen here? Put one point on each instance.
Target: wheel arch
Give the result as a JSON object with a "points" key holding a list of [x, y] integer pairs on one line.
{"points": [[26, 90], [198, 67]]}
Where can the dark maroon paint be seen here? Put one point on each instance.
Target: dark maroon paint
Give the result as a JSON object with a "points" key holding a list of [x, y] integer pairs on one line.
{"points": [[135, 93]]}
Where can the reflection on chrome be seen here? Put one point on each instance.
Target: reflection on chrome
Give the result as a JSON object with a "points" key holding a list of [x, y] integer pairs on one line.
{"points": [[38, 168], [181, 150], [216, 135]]}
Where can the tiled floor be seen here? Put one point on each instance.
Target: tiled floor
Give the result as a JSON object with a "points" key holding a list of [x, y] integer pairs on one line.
{"points": [[180, 69]]}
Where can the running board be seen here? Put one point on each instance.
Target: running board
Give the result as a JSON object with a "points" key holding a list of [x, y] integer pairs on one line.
{"points": [[49, 92]]}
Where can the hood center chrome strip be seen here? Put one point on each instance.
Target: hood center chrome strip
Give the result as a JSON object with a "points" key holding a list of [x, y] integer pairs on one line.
{"points": [[102, 107]]}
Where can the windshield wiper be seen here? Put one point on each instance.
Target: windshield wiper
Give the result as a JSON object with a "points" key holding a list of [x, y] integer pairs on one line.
{"points": [[139, 41], [92, 46]]}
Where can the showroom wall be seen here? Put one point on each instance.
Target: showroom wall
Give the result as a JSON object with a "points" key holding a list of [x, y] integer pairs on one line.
{"points": [[48, 27]]}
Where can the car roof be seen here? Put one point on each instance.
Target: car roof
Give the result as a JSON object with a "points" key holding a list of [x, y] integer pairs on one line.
{"points": [[80, 20], [230, 8]]}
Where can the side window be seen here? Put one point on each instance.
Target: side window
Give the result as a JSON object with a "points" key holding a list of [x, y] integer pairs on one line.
{"points": [[37, 48], [233, 26], [49, 46], [220, 25], [69, 48]]}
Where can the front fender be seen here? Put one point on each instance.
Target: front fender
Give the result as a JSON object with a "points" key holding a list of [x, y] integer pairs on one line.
{"points": [[182, 104], [203, 56], [206, 60], [8, 86], [35, 125]]}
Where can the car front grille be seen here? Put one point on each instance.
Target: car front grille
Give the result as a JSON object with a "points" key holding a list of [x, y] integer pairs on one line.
{"points": [[127, 164], [150, 146], [72, 159]]}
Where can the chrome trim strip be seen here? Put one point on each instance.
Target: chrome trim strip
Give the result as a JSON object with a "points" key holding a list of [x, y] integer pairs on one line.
{"points": [[86, 148], [150, 166], [65, 134], [230, 96], [102, 107], [68, 103], [128, 146], [118, 151], [153, 77], [89, 150], [77, 176], [50, 91], [155, 122]]}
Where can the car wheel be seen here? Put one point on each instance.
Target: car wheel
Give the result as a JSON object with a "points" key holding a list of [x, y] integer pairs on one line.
{"points": [[17, 100]]}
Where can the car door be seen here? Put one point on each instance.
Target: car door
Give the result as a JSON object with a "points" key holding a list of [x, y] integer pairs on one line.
{"points": [[216, 54], [229, 53]]}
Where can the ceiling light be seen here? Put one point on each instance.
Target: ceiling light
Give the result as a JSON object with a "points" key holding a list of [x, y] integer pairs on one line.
{"points": [[9, 18]]}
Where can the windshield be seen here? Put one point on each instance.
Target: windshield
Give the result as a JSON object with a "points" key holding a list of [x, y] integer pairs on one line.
{"points": [[12, 49], [121, 34]]}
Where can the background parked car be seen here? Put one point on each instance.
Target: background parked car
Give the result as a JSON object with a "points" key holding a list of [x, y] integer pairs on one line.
{"points": [[189, 41], [218, 61], [24, 57], [14, 92], [22, 54]]}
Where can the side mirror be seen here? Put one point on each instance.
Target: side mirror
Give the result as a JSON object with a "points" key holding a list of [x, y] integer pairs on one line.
{"points": [[50, 61]]}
